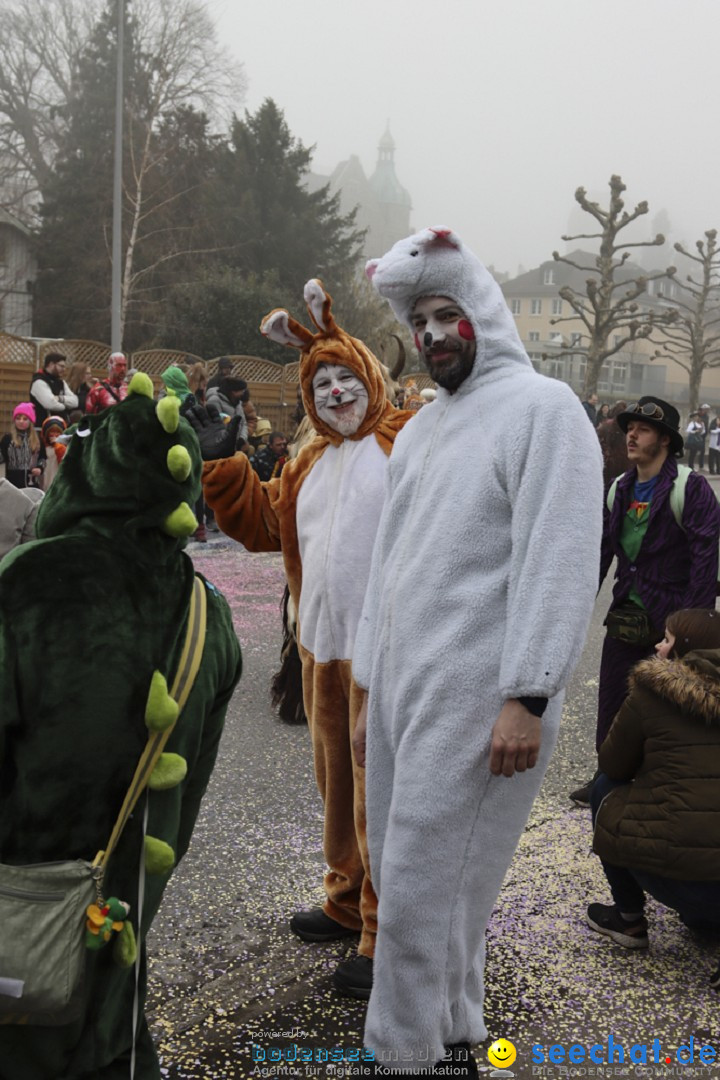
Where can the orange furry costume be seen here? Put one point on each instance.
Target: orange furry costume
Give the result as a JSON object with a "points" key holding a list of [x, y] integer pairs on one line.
{"points": [[322, 513]]}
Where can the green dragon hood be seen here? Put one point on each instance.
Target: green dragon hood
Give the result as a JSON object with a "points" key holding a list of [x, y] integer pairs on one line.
{"points": [[131, 475]]}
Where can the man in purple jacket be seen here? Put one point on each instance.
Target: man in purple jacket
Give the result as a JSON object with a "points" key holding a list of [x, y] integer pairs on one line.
{"points": [[661, 565]]}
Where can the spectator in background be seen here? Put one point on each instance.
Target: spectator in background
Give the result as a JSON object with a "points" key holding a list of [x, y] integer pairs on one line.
{"points": [[228, 398], [175, 381], [695, 441], [590, 407], [49, 393], [81, 381], [197, 378], [18, 510], [224, 369], [602, 414], [51, 431], [21, 450], [268, 461], [714, 447], [613, 445], [113, 389]]}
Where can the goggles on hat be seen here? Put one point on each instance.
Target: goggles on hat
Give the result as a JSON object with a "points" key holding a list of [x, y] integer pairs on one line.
{"points": [[649, 409]]}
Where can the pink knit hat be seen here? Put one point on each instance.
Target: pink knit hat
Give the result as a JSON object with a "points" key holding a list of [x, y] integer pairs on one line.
{"points": [[25, 409]]}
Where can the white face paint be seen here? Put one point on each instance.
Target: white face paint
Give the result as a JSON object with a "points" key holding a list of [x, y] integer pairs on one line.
{"points": [[341, 398]]}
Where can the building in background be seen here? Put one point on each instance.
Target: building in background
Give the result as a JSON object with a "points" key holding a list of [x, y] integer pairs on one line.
{"points": [[533, 298], [18, 270], [383, 204]]}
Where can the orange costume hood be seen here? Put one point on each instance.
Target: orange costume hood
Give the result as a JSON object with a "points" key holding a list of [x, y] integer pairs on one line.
{"points": [[332, 345]]}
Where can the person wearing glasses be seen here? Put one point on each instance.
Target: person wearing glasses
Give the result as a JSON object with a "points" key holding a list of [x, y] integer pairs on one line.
{"points": [[666, 547]]}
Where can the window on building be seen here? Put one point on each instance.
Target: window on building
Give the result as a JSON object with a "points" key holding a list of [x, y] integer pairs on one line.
{"points": [[515, 307], [557, 339], [548, 277], [536, 307], [534, 335], [555, 369], [557, 307], [619, 375], [576, 339]]}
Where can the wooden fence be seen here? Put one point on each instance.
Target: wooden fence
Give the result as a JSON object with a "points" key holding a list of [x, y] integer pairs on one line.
{"points": [[273, 387]]}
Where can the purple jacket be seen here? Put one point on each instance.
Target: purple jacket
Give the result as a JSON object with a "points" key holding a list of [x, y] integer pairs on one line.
{"points": [[675, 568]]}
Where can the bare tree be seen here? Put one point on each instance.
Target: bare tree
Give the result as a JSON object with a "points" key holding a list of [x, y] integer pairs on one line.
{"points": [[609, 307], [41, 45], [693, 340]]}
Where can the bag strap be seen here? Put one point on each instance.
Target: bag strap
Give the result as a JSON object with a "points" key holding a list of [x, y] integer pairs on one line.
{"points": [[182, 685]]}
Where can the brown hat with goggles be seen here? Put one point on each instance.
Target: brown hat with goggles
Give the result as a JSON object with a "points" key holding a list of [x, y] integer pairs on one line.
{"points": [[659, 413]]}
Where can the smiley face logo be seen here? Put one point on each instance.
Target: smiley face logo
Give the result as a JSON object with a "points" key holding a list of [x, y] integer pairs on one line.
{"points": [[502, 1054]]}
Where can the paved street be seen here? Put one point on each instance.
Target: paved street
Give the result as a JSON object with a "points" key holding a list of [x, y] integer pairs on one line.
{"points": [[226, 972]]}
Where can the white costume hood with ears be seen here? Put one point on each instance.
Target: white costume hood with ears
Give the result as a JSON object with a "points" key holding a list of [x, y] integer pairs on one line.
{"points": [[435, 262]]}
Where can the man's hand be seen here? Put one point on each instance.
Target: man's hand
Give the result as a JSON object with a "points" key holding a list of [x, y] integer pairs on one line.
{"points": [[217, 440], [358, 739], [515, 740]]}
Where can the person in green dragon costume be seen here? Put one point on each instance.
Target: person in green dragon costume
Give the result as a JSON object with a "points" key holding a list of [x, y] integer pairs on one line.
{"points": [[92, 613]]}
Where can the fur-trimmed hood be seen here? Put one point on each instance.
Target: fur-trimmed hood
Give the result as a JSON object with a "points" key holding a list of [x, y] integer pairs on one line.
{"points": [[692, 684]]}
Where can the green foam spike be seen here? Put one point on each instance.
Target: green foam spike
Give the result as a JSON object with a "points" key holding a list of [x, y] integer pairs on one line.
{"points": [[181, 522], [160, 710], [168, 413], [159, 856], [141, 384], [179, 463], [170, 770]]}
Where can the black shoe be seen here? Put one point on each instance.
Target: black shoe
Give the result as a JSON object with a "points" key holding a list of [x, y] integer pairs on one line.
{"points": [[581, 795], [607, 920], [315, 925], [354, 978], [458, 1061]]}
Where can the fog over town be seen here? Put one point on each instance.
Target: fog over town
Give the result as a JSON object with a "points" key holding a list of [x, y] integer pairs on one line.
{"points": [[500, 109]]}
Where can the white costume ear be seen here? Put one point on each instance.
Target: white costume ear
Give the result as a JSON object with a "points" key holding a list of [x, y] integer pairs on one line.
{"points": [[318, 304], [279, 326]]}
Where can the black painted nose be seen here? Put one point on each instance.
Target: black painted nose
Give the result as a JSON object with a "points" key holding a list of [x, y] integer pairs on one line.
{"points": [[428, 339]]}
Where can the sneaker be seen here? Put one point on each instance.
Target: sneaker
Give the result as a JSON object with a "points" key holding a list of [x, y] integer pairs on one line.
{"points": [[315, 925], [581, 795], [607, 920], [354, 978], [715, 978], [200, 535], [211, 525]]}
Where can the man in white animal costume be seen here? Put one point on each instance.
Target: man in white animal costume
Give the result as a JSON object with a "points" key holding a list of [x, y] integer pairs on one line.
{"points": [[494, 503]]}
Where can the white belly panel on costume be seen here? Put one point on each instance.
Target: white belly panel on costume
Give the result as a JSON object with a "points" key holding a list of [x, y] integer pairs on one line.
{"points": [[338, 511]]}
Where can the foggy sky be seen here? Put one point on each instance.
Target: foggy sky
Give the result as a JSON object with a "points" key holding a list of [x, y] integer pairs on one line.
{"points": [[500, 109]]}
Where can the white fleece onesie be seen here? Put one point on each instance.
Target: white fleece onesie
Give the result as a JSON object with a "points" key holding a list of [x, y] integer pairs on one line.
{"points": [[481, 589]]}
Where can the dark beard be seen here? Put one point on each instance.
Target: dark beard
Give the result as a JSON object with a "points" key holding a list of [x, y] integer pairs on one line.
{"points": [[451, 375]]}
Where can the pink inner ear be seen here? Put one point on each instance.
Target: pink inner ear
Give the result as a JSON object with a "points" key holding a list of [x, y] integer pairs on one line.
{"points": [[442, 234], [370, 270]]}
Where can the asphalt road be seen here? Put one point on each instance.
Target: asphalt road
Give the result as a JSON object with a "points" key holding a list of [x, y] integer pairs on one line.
{"points": [[226, 974]]}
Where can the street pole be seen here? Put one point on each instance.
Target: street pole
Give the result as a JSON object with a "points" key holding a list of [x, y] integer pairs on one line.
{"points": [[116, 328]]}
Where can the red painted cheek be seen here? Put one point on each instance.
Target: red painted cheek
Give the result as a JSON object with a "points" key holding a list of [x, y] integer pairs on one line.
{"points": [[465, 330], [416, 339]]}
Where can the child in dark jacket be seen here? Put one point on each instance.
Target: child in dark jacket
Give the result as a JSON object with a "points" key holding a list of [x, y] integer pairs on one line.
{"points": [[656, 803]]}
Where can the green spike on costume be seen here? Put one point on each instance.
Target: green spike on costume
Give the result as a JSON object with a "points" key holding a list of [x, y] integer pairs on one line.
{"points": [[170, 770], [159, 856], [168, 413], [179, 463], [125, 946], [160, 711], [182, 521], [141, 384]]}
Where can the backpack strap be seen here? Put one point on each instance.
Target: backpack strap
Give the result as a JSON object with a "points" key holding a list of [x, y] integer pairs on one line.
{"points": [[613, 491], [180, 691], [677, 493]]}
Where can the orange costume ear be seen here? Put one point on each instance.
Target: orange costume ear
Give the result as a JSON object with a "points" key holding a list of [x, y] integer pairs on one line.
{"points": [[280, 326], [319, 303]]}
